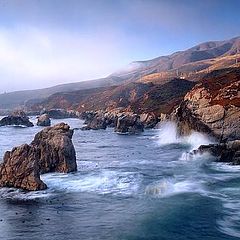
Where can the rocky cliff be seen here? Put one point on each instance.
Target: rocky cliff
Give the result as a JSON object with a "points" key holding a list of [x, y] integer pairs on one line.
{"points": [[212, 106]]}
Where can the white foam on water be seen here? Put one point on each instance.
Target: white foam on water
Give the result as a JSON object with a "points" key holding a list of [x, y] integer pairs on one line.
{"points": [[167, 187], [17, 194], [167, 134], [101, 182]]}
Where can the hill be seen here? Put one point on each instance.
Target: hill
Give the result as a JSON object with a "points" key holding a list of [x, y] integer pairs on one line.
{"points": [[191, 64]]}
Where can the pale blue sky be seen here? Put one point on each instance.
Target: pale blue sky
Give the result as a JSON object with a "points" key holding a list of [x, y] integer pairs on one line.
{"points": [[47, 42]]}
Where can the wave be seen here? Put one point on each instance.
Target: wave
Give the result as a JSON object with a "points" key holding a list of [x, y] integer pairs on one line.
{"points": [[168, 187], [168, 134]]}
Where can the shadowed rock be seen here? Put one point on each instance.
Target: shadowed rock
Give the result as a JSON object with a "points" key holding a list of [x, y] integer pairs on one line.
{"points": [[18, 118], [224, 152], [129, 124]]}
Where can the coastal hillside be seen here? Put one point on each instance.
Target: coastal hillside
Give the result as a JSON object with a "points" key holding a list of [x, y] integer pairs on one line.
{"points": [[191, 64], [135, 97], [212, 106]]}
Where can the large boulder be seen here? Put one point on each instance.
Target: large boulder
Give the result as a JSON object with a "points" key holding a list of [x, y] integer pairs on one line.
{"points": [[20, 169], [57, 153], [212, 106], [129, 124], [44, 120], [18, 118], [51, 150]]}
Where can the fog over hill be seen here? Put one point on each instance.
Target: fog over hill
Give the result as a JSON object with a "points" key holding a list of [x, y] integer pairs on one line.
{"points": [[192, 62]]}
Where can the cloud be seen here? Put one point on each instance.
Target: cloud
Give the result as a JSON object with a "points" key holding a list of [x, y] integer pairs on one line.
{"points": [[31, 57]]}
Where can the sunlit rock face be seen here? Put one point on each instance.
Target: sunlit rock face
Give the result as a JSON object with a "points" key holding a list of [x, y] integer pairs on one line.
{"points": [[51, 150], [44, 120], [20, 169], [57, 153], [212, 106]]}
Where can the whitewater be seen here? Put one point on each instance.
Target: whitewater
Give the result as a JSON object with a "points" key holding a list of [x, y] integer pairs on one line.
{"points": [[127, 187]]}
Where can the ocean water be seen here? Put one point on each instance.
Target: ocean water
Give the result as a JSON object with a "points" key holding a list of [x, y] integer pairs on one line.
{"points": [[127, 187]]}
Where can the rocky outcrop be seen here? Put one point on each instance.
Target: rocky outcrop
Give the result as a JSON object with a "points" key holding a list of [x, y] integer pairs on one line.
{"points": [[95, 121], [224, 152], [44, 120], [20, 169], [129, 124], [57, 153], [122, 121], [51, 150], [60, 113], [149, 120], [18, 118], [212, 106]]}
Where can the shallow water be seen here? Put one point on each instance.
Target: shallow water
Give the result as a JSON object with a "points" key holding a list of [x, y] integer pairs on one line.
{"points": [[126, 187]]}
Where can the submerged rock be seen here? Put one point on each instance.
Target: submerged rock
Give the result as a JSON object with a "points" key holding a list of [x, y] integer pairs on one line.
{"points": [[18, 118], [51, 150], [57, 153], [20, 169], [224, 152], [44, 120]]}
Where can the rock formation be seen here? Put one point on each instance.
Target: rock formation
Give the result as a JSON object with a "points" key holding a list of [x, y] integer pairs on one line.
{"points": [[129, 124], [18, 118], [224, 152], [149, 120], [20, 169], [57, 153], [51, 150], [212, 106], [44, 120]]}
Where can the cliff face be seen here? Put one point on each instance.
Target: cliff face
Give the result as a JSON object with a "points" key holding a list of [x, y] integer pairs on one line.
{"points": [[212, 106], [135, 97]]}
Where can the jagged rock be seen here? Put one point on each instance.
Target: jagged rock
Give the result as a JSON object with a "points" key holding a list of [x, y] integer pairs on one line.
{"points": [[44, 120], [212, 106], [224, 152], [20, 169], [149, 120], [95, 121], [51, 150], [129, 124], [18, 118], [57, 153]]}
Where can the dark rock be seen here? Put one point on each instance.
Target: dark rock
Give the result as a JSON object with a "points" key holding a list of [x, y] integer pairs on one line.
{"points": [[224, 152], [57, 153], [44, 120], [18, 118], [20, 169], [129, 124], [96, 121]]}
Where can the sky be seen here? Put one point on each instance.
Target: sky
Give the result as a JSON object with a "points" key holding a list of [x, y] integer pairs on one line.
{"points": [[49, 42]]}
